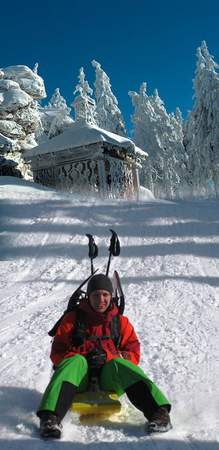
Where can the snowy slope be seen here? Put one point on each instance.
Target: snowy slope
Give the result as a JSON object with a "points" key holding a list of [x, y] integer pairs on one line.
{"points": [[170, 273]]}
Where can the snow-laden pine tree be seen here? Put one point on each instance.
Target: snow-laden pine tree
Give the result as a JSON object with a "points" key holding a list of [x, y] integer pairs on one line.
{"points": [[202, 127], [55, 117], [35, 68], [57, 101], [108, 114], [20, 89], [160, 135], [83, 104]]}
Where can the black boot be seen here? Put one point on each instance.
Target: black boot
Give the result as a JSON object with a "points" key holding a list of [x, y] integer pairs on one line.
{"points": [[140, 396], [158, 417], [159, 421], [50, 421], [50, 426]]}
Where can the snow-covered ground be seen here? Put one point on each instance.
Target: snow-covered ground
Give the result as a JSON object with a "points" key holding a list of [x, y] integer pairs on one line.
{"points": [[170, 273]]}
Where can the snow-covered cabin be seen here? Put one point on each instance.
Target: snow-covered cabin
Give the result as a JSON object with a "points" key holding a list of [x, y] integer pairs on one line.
{"points": [[86, 158]]}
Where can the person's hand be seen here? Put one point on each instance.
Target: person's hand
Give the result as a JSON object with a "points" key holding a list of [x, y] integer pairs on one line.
{"points": [[96, 359], [125, 355]]}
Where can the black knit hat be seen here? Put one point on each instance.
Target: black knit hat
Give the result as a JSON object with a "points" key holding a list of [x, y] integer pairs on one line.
{"points": [[99, 281]]}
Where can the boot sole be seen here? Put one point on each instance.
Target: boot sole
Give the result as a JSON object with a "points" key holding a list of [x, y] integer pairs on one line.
{"points": [[158, 429], [56, 434]]}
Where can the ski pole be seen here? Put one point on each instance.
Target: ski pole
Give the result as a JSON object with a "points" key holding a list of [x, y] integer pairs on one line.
{"points": [[93, 251], [114, 248]]}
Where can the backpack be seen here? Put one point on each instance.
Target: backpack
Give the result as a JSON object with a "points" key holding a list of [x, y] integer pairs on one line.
{"points": [[78, 295], [80, 327]]}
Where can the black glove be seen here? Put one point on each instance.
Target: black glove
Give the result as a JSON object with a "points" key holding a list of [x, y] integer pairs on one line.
{"points": [[96, 359]]}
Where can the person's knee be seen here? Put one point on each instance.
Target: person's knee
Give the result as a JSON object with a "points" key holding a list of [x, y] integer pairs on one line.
{"points": [[80, 360], [121, 362], [114, 364], [122, 366], [76, 360]]}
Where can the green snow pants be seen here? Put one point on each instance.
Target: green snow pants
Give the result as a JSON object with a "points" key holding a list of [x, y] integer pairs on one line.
{"points": [[118, 375]]}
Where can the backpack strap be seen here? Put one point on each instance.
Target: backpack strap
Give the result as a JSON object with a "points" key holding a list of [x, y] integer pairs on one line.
{"points": [[115, 330], [80, 334]]}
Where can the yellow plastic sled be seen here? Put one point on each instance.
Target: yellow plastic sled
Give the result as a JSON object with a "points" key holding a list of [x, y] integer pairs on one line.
{"points": [[96, 403]]}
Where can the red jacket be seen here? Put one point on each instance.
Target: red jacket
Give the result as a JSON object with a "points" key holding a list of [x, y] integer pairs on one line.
{"points": [[98, 324]]}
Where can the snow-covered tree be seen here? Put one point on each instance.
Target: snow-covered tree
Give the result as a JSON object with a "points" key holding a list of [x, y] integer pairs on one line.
{"points": [[35, 68], [202, 127], [20, 88], [83, 104], [57, 101], [160, 135], [108, 114], [55, 117]]}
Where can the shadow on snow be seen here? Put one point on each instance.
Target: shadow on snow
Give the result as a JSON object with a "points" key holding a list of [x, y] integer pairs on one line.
{"points": [[18, 405]]}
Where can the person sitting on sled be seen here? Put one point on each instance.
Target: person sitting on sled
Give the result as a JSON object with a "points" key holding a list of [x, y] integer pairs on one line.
{"points": [[79, 350]]}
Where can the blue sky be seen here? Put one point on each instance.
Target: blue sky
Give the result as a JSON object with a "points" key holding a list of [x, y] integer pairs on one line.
{"points": [[134, 41]]}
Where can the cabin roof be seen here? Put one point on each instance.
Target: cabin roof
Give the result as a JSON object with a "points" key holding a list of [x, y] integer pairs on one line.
{"points": [[82, 135]]}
